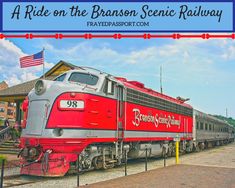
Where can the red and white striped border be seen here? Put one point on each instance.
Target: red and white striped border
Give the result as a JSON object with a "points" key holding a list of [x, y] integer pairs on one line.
{"points": [[117, 36]]}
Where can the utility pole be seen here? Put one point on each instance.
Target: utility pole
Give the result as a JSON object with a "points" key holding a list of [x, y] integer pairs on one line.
{"points": [[161, 79], [226, 112]]}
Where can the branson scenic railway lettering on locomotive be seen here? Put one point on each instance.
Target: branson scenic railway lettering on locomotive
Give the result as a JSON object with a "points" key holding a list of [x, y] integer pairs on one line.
{"points": [[155, 119]]}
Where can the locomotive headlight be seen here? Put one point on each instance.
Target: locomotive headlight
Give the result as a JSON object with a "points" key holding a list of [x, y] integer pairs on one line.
{"points": [[40, 87], [32, 152]]}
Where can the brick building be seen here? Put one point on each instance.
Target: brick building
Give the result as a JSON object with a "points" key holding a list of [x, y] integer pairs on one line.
{"points": [[7, 109]]}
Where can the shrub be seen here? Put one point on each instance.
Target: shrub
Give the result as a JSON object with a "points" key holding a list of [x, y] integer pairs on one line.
{"points": [[2, 157]]}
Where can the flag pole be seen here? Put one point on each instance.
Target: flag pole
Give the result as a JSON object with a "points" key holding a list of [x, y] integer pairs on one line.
{"points": [[43, 50]]}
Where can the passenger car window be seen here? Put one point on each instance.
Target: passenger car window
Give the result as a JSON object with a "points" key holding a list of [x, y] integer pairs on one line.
{"points": [[210, 127], [83, 78], [201, 126], [60, 78]]}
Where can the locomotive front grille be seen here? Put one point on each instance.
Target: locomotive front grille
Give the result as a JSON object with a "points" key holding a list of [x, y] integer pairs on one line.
{"points": [[37, 117]]}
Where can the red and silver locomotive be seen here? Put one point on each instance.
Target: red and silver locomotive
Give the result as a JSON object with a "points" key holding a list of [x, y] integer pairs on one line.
{"points": [[97, 116]]}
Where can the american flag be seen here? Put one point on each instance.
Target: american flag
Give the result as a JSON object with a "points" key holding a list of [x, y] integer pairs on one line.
{"points": [[32, 60]]}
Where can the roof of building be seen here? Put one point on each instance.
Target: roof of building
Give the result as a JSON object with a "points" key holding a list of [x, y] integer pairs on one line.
{"points": [[3, 85], [20, 91], [3, 82]]}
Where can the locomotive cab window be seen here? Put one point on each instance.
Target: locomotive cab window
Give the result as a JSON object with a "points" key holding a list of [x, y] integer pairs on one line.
{"points": [[83, 78], [109, 87], [60, 78]]}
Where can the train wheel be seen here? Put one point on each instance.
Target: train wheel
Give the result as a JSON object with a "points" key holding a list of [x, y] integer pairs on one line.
{"points": [[171, 150], [197, 148], [97, 162]]}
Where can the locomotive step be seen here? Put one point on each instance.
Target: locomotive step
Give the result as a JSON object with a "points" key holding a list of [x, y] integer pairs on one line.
{"points": [[9, 147], [6, 150], [9, 143], [9, 152]]}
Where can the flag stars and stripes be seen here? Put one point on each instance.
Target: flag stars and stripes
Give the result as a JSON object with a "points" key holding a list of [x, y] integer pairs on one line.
{"points": [[32, 60]]}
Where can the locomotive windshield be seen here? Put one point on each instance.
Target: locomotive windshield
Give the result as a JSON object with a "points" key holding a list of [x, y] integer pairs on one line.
{"points": [[60, 78], [83, 78]]}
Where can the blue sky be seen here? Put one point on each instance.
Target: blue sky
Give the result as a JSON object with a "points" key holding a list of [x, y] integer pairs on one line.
{"points": [[202, 70]]}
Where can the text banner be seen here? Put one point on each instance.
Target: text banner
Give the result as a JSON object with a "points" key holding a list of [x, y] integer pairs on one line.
{"points": [[117, 16]]}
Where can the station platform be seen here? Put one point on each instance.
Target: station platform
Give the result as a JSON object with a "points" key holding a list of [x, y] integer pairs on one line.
{"points": [[175, 176]]}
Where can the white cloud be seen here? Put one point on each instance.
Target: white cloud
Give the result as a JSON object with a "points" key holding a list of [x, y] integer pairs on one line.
{"points": [[196, 54], [49, 65], [9, 64], [82, 52], [229, 54], [12, 80], [9, 53], [27, 76], [10, 46]]}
